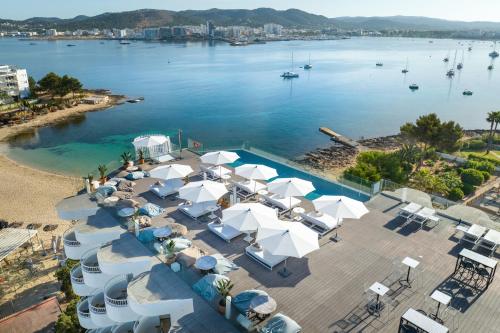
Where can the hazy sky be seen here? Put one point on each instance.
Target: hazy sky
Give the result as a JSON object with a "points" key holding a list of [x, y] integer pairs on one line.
{"points": [[467, 10]]}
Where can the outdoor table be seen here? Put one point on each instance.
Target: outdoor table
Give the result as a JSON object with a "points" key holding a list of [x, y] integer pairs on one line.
{"points": [[411, 263], [212, 210], [162, 233], [440, 298], [263, 305], [225, 179], [421, 322], [205, 263], [489, 264], [380, 290], [132, 168], [297, 211]]}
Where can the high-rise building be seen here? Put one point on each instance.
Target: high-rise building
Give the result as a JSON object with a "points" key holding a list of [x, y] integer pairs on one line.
{"points": [[210, 29], [14, 81], [273, 29]]}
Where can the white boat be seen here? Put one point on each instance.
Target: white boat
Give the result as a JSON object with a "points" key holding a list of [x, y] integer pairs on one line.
{"points": [[379, 64], [405, 70], [494, 54], [290, 74], [308, 65], [467, 93]]}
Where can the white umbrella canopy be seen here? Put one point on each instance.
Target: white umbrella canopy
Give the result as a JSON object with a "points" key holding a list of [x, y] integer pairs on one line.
{"points": [[149, 141], [249, 216], [288, 239], [171, 171], [289, 187], [202, 191], [255, 171], [219, 157], [340, 206]]}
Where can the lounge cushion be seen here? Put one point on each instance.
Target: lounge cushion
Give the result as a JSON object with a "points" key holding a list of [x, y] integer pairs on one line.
{"points": [[243, 299], [280, 323]]}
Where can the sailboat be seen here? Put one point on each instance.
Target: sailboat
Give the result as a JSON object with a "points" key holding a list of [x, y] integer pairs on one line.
{"points": [[461, 63], [494, 54], [447, 58], [308, 65], [291, 74], [451, 72], [405, 70]]}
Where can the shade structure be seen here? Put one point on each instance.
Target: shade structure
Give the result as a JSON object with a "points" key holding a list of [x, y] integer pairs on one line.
{"points": [[76, 208], [249, 216], [289, 187], [219, 157], [256, 171], [149, 141], [288, 239], [340, 207], [171, 171], [202, 191]]}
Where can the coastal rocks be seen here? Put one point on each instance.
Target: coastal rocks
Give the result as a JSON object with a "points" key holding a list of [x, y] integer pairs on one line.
{"points": [[334, 157], [384, 143]]}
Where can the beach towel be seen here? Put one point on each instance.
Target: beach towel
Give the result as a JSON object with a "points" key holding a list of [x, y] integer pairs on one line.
{"points": [[151, 210]]}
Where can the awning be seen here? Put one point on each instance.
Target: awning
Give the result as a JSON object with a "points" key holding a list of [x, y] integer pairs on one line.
{"points": [[13, 238]]}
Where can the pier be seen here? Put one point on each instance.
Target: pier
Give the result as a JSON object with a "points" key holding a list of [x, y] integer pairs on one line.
{"points": [[340, 138]]}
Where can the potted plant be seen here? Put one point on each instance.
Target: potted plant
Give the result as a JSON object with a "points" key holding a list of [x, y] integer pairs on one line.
{"points": [[90, 178], [223, 288], [102, 172], [141, 156], [126, 159], [169, 247]]}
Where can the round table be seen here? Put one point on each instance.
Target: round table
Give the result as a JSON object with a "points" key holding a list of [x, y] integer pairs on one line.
{"points": [[263, 305], [126, 212], [205, 263], [212, 210], [162, 233], [225, 179], [262, 192], [297, 211]]}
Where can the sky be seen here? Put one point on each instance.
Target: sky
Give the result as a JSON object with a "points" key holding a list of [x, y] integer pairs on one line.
{"points": [[465, 10]]}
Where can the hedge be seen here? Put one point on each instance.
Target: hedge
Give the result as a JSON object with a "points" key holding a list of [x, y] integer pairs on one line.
{"points": [[472, 176]]}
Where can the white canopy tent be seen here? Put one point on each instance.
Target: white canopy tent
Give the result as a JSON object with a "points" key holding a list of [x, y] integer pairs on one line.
{"points": [[153, 146]]}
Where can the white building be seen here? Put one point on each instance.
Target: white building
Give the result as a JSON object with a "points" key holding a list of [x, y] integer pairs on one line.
{"points": [[273, 29], [51, 32], [14, 81]]}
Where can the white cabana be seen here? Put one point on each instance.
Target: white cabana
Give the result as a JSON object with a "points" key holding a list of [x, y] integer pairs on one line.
{"points": [[255, 171], [219, 157], [171, 171], [288, 239], [202, 191], [153, 146], [249, 216]]}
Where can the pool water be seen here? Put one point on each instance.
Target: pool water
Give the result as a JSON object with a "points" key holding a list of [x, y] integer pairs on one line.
{"points": [[323, 186]]}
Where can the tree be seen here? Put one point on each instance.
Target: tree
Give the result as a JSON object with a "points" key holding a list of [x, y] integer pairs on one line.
{"points": [[73, 85], [472, 177], [449, 137], [68, 320], [50, 83], [493, 118], [424, 180], [32, 85]]}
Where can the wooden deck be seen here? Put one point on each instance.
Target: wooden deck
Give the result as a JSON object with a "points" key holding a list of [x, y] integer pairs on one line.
{"points": [[325, 291]]}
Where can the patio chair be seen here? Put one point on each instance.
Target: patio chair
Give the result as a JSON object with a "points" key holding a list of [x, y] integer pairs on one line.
{"points": [[409, 210], [225, 232], [490, 241], [473, 234], [451, 319], [283, 204], [166, 189], [249, 188], [214, 172], [423, 216], [263, 257], [320, 223]]}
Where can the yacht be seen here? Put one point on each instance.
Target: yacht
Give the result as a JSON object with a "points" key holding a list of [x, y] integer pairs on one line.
{"points": [[405, 70], [461, 63], [414, 86], [494, 54], [379, 64], [490, 67], [308, 65], [450, 73], [467, 93], [290, 74]]}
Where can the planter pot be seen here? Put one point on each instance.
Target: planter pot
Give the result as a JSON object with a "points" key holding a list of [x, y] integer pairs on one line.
{"points": [[222, 307], [170, 260], [130, 164], [103, 180], [141, 161]]}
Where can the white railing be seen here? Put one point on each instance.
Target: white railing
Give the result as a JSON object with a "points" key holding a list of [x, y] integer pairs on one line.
{"points": [[115, 302], [70, 242], [82, 313], [76, 279], [94, 269], [97, 309]]}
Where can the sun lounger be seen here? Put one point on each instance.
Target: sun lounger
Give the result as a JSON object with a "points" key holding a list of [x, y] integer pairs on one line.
{"points": [[196, 210], [409, 210], [283, 204], [168, 188], [281, 323], [162, 158], [425, 215], [321, 223], [247, 189], [490, 241], [473, 234], [225, 232], [263, 257], [214, 172]]}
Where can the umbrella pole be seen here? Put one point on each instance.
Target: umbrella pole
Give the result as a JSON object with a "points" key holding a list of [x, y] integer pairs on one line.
{"points": [[336, 238], [284, 273]]}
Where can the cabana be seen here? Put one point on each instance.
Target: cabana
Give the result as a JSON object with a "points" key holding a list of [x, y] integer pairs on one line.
{"points": [[156, 147]]}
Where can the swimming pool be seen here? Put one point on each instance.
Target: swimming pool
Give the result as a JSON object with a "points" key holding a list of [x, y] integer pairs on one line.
{"points": [[323, 186]]}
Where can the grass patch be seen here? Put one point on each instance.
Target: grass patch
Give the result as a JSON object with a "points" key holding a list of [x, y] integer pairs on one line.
{"points": [[494, 154]]}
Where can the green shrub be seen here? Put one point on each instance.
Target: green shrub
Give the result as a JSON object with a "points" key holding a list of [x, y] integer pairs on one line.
{"points": [[472, 176], [468, 188], [486, 175], [451, 180], [483, 158], [455, 194], [481, 166], [68, 320], [63, 275], [475, 145]]}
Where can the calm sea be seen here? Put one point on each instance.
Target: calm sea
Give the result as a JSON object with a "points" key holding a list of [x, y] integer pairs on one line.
{"points": [[222, 95]]}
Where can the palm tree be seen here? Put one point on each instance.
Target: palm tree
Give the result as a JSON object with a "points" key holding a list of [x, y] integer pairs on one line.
{"points": [[491, 119], [497, 121]]}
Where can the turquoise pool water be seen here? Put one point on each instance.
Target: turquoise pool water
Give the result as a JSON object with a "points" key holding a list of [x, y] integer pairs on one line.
{"points": [[323, 187]]}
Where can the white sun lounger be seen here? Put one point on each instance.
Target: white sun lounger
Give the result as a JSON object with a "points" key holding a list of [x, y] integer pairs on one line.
{"points": [[490, 241], [409, 210], [263, 257], [249, 188], [196, 210], [283, 204], [214, 172], [168, 188], [225, 232], [321, 223], [473, 234], [425, 215]]}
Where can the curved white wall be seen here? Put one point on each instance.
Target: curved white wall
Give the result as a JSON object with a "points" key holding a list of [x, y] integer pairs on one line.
{"points": [[175, 308], [124, 328], [97, 236], [117, 307], [73, 248], [83, 313], [98, 313], [92, 274]]}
